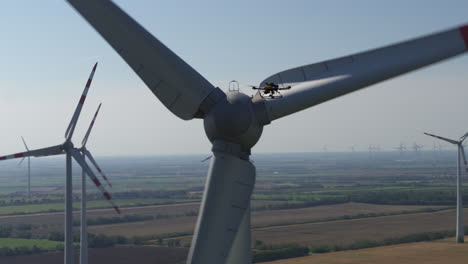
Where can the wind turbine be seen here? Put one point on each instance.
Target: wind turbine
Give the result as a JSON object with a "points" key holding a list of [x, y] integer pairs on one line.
{"points": [[417, 149], [461, 153], [371, 149], [401, 148], [83, 222], [70, 151], [234, 121], [29, 168], [325, 148]]}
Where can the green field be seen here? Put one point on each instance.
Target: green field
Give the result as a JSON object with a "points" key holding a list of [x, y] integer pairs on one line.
{"points": [[18, 242], [35, 208]]}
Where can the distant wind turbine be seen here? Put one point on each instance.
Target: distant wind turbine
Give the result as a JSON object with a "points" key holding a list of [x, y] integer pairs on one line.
{"points": [[70, 151], [461, 154], [29, 168], [417, 148], [325, 148]]}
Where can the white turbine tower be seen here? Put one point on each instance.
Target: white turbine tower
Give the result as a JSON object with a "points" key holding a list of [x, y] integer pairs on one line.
{"points": [[234, 122], [83, 222], [70, 151], [461, 154]]}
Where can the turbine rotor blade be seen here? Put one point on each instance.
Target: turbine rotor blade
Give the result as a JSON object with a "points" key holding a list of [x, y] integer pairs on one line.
{"points": [[207, 158], [442, 138], [464, 157], [24, 142], [226, 198], [50, 151], [85, 139], [76, 114], [26, 146], [79, 158], [93, 161], [464, 137], [21, 161], [316, 83], [177, 85]]}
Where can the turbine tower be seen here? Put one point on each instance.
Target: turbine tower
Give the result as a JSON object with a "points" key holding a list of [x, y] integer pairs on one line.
{"points": [[400, 148], [83, 222], [234, 121], [70, 151], [461, 154], [417, 149]]}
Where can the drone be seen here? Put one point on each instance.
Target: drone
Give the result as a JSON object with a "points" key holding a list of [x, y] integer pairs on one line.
{"points": [[271, 90]]}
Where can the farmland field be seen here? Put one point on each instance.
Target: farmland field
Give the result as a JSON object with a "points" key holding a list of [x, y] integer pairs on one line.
{"points": [[261, 218], [15, 242], [434, 252], [345, 232], [120, 255], [313, 199]]}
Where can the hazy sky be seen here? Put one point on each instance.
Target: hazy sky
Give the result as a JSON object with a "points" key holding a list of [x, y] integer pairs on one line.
{"points": [[47, 51]]}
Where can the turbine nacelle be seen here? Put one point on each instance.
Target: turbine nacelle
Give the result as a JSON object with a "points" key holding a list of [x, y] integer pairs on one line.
{"points": [[68, 145], [234, 119]]}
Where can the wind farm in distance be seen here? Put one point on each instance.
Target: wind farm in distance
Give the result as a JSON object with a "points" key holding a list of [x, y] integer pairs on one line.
{"points": [[229, 134], [324, 202]]}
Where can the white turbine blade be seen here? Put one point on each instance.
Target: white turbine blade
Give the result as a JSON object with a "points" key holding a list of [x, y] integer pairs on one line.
{"points": [[76, 114], [464, 157], [24, 142], [177, 85], [316, 83], [464, 137], [207, 158], [85, 139], [21, 161], [55, 150], [227, 196], [26, 146], [77, 156], [93, 161], [442, 138]]}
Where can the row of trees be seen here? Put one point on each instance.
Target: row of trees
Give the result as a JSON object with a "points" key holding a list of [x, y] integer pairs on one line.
{"points": [[118, 219], [12, 199], [417, 237], [21, 250], [16, 231], [94, 241], [263, 252]]}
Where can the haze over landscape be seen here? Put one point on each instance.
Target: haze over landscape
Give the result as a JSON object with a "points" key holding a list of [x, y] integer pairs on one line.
{"points": [[48, 51], [351, 180]]}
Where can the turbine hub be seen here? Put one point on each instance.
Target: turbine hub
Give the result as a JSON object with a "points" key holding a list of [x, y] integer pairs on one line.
{"points": [[233, 119], [67, 145]]}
